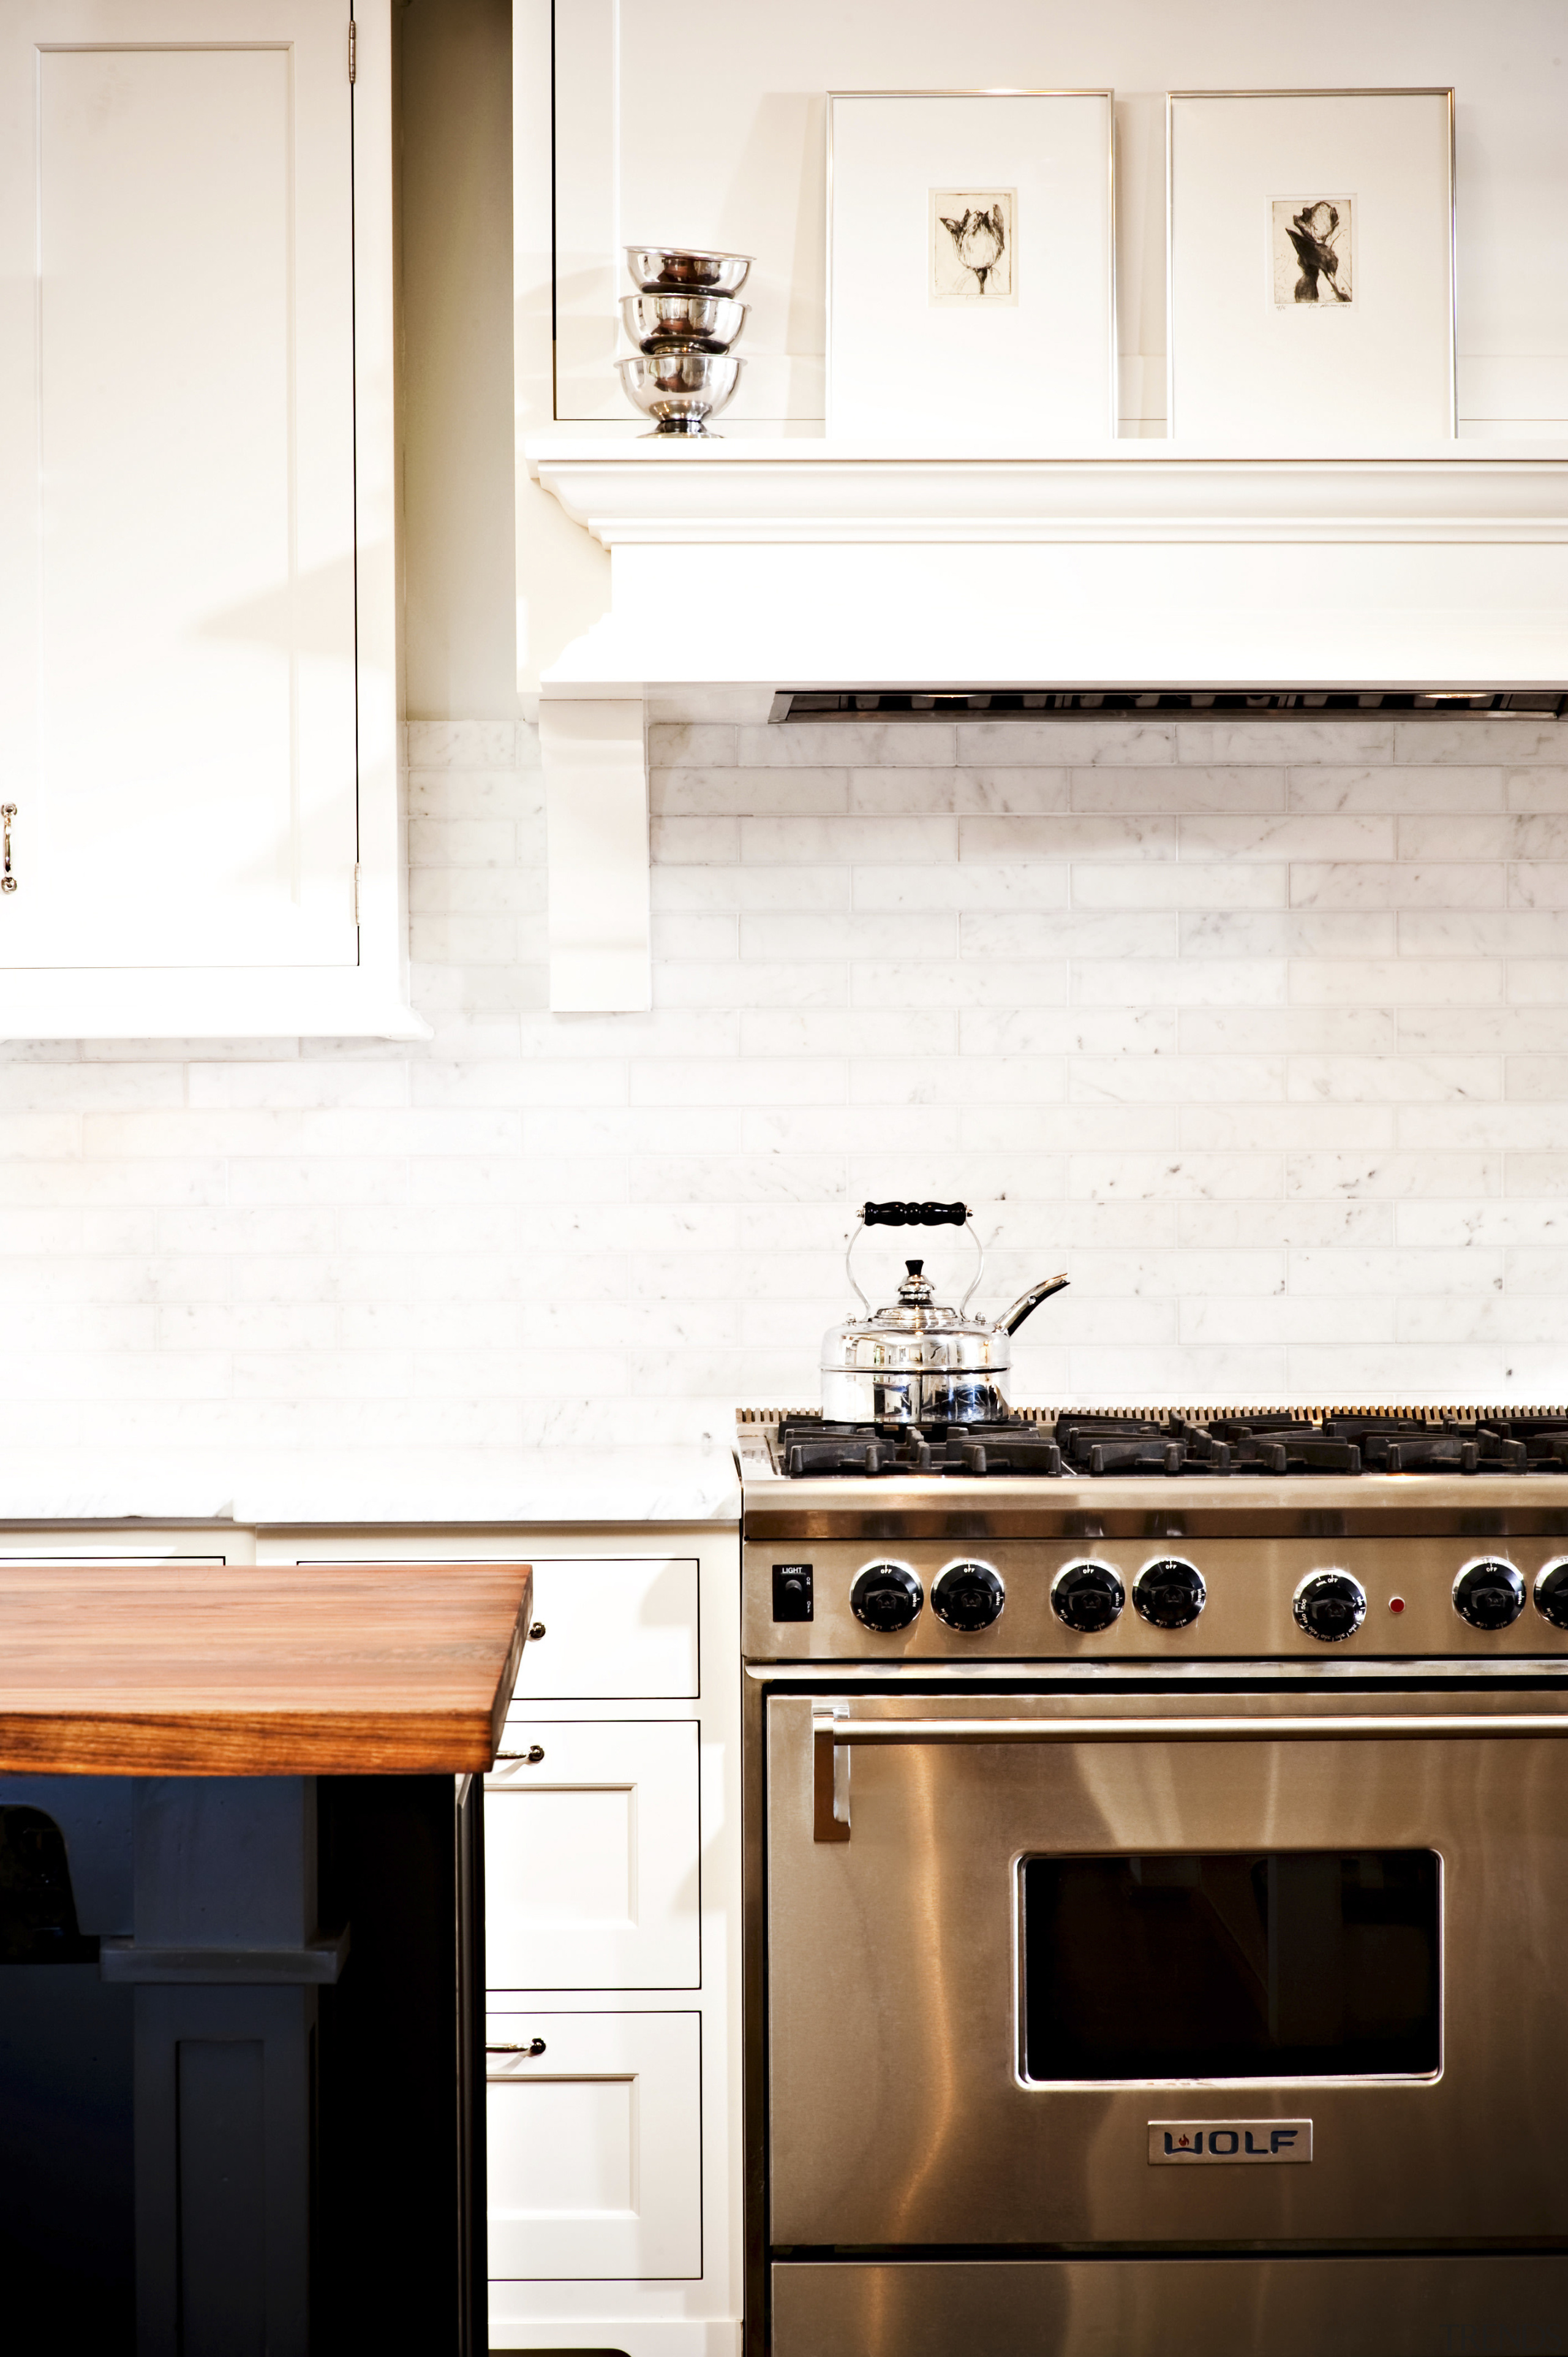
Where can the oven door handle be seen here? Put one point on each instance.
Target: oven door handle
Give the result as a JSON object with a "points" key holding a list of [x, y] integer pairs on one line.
{"points": [[834, 1732]]}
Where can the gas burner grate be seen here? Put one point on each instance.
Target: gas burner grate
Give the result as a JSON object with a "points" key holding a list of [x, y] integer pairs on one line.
{"points": [[1309, 1441], [1283, 1444], [808, 1446], [1102, 1445], [1162, 1443], [1415, 1448]]}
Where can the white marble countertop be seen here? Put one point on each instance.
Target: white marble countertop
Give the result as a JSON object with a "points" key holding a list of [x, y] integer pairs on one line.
{"points": [[441, 1487]]}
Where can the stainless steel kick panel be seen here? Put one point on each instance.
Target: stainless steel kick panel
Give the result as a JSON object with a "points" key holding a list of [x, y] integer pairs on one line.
{"points": [[1251, 1584], [897, 2111], [1417, 2307]]}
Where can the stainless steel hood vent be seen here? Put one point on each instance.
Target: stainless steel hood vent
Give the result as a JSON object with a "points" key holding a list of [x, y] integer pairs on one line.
{"points": [[1167, 704]]}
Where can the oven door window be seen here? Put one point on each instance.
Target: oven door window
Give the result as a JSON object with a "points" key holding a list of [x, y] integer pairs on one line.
{"points": [[1293, 1964]]}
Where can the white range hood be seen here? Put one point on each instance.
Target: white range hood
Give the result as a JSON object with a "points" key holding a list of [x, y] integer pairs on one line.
{"points": [[805, 564]]}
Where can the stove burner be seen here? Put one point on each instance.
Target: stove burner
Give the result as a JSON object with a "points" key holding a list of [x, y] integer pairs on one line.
{"points": [[1261, 1443], [1017, 1447], [1400, 1443], [1287, 1444], [1121, 1444]]}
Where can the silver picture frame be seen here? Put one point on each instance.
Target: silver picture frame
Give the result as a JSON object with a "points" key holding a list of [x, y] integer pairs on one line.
{"points": [[1173, 98], [836, 97]]}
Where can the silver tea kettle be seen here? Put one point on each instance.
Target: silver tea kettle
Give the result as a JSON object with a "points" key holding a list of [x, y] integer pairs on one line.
{"points": [[916, 1363]]}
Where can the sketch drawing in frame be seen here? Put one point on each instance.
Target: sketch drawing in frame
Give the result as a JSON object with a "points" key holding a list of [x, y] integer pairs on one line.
{"points": [[1288, 205], [975, 245], [1313, 251], [947, 320]]}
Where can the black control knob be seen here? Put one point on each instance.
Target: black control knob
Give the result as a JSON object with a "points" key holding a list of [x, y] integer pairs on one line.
{"points": [[1552, 1593], [969, 1595], [1087, 1597], [887, 1596], [1169, 1593], [1488, 1593], [1330, 1606]]}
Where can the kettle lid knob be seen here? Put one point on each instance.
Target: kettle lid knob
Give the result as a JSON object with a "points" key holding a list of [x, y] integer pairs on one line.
{"points": [[914, 1266]]}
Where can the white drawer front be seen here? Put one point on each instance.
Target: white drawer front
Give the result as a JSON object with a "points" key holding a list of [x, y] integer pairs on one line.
{"points": [[619, 1628], [595, 2159], [592, 1857]]}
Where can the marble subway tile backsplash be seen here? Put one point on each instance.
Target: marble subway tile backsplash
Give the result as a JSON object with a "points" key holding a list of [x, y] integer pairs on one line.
{"points": [[1260, 1030]]}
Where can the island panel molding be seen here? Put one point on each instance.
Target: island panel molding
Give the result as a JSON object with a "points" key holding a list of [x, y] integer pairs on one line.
{"points": [[170, 1669]]}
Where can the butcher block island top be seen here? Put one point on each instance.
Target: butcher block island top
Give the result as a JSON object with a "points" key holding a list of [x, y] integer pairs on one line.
{"points": [[172, 1669]]}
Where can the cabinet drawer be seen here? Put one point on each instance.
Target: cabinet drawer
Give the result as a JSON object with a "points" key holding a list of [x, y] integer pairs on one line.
{"points": [[592, 1857], [619, 1628], [594, 2153]]}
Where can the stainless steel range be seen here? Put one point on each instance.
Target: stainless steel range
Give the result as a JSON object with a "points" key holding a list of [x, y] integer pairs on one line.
{"points": [[1158, 1883]]}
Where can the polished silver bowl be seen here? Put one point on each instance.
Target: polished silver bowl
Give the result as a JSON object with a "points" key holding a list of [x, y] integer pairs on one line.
{"points": [[680, 389], [686, 270], [707, 323]]}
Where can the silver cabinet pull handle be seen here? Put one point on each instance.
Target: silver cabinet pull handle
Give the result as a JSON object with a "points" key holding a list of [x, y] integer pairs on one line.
{"points": [[531, 1757], [535, 1633], [7, 881], [830, 1735], [533, 2046]]}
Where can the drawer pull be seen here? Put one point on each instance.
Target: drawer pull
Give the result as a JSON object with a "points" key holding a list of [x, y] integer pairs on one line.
{"points": [[533, 1756], [534, 2046], [535, 1633]]}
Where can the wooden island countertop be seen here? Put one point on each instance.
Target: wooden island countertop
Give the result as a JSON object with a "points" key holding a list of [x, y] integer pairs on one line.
{"points": [[171, 1669]]}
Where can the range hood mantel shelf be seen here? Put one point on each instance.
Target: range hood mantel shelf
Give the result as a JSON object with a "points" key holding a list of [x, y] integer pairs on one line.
{"points": [[805, 562], [630, 491], [809, 565]]}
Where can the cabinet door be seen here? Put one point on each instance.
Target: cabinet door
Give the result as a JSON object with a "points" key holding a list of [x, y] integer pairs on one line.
{"points": [[176, 484], [593, 1856], [595, 2157], [613, 1631]]}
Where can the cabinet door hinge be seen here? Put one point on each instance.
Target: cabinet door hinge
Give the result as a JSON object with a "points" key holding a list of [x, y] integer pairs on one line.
{"points": [[356, 891], [353, 37]]}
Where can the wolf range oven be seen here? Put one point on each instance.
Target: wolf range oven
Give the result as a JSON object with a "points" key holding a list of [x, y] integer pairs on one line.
{"points": [[1157, 1890]]}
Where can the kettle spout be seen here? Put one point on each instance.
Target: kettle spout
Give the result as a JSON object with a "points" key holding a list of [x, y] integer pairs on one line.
{"points": [[1029, 1302]]}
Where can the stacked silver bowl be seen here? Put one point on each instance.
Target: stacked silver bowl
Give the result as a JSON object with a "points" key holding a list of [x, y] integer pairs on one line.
{"points": [[682, 320]]}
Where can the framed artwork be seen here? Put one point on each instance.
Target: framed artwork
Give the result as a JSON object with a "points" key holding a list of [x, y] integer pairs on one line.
{"points": [[972, 265], [1310, 266]]}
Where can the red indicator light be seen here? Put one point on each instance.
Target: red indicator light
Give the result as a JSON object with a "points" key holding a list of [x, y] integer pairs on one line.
{"points": [[1396, 1604]]}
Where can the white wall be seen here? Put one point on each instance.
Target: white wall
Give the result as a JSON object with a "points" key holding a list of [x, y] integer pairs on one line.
{"points": [[454, 157], [1260, 1032], [695, 120]]}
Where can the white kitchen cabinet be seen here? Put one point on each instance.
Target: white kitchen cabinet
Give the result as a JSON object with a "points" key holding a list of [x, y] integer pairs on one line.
{"points": [[614, 1629], [198, 740], [593, 1856], [615, 2157], [594, 2159]]}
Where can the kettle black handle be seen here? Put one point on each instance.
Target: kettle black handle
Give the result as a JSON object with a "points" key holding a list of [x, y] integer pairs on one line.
{"points": [[914, 1215]]}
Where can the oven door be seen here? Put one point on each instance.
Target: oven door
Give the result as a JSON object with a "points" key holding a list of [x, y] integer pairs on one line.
{"points": [[1066, 1973]]}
